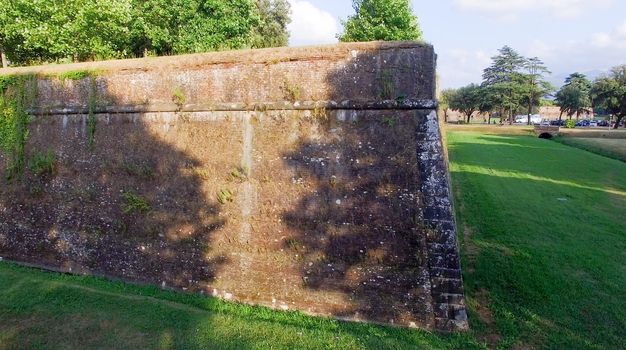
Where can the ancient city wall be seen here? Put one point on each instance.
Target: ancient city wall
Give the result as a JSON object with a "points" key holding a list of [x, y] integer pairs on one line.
{"points": [[297, 178]]}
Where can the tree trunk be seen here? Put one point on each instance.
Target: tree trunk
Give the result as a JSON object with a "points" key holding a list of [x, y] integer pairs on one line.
{"points": [[469, 117], [445, 115], [560, 117], [577, 115], [619, 120], [530, 110], [4, 59]]}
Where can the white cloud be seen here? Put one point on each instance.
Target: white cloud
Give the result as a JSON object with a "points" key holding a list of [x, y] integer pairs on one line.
{"points": [[459, 67], [311, 25], [616, 39], [512, 9]]}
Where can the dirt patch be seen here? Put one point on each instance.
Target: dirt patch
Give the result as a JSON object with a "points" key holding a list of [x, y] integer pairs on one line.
{"points": [[481, 307]]}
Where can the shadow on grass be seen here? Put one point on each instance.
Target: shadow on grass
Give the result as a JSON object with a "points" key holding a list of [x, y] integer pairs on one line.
{"points": [[116, 315], [541, 233], [541, 159]]}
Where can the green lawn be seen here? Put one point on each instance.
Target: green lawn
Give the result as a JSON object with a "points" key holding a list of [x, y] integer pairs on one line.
{"points": [[41, 310], [543, 233], [612, 148], [543, 228]]}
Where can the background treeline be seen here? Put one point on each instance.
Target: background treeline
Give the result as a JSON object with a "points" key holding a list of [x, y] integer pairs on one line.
{"points": [[514, 84], [42, 31]]}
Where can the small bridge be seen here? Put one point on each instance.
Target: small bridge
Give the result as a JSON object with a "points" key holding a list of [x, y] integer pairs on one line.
{"points": [[547, 132]]}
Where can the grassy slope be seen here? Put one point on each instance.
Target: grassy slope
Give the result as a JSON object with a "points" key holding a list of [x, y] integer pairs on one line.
{"points": [[544, 241], [612, 148], [538, 271], [41, 310]]}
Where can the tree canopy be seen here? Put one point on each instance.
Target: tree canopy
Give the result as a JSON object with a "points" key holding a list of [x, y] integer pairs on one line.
{"points": [[39, 31], [444, 101], [609, 92], [466, 100], [574, 96], [385, 20], [43, 30], [512, 81], [271, 29]]}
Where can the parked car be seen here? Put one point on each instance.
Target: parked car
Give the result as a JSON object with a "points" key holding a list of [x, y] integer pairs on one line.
{"points": [[557, 122], [583, 123], [603, 123], [593, 123]]}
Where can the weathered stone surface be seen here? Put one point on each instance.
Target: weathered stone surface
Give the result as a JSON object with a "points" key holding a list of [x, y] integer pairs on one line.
{"points": [[298, 178]]}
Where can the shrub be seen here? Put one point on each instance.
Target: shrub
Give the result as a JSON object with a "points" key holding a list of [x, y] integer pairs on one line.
{"points": [[224, 196], [570, 123], [134, 203], [178, 96], [42, 164]]}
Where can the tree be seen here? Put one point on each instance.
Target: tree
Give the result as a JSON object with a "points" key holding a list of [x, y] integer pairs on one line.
{"points": [[35, 31], [466, 100], [609, 92], [190, 26], [536, 87], [40, 31], [381, 20], [506, 81], [487, 101], [444, 102], [271, 29], [574, 96]]}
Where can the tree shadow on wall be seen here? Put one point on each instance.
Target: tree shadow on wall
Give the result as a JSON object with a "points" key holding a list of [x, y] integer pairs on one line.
{"points": [[360, 224], [122, 197]]}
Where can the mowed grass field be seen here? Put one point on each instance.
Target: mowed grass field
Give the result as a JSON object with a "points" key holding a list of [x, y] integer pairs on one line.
{"points": [[543, 232], [612, 148], [543, 237]]}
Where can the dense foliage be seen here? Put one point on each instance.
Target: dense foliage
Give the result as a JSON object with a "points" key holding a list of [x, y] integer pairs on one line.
{"points": [[609, 92], [466, 100], [44, 30], [39, 31], [271, 30], [512, 83], [574, 96], [381, 20]]}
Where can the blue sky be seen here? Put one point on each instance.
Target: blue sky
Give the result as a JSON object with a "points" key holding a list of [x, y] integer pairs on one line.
{"points": [[588, 36]]}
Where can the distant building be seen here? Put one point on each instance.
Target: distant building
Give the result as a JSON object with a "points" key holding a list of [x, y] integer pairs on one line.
{"points": [[553, 112]]}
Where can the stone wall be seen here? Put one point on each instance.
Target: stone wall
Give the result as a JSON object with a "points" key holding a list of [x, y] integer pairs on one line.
{"points": [[296, 178]]}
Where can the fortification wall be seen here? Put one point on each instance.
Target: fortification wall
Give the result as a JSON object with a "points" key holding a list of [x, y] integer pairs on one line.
{"points": [[296, 178]]}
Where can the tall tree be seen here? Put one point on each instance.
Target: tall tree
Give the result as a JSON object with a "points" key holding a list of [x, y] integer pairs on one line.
{"points": [[487, 101], [506, 80], [536, 86], [271, 29], [381, 20], [574, 96], [466, 100], [40, 31], [33, 31], [609, 92], [189, 26], [444, 102]]}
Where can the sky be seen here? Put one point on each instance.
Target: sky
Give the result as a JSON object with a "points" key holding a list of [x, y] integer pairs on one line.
{"points": [[587, 36]]}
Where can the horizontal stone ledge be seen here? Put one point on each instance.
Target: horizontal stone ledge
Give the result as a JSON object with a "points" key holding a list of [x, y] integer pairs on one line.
{"points": [[408, 104]]}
